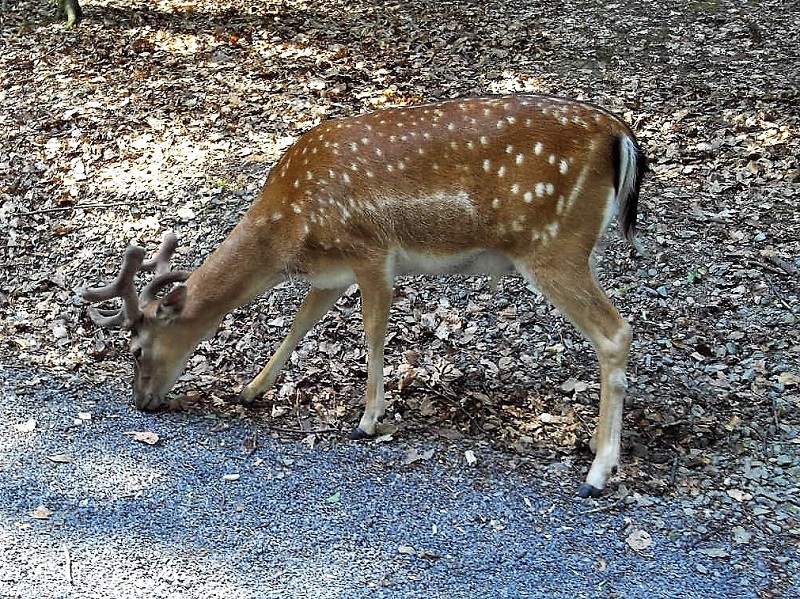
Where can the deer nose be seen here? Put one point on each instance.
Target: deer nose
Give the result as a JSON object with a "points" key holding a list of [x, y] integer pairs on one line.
{"points": [[146, 401]]}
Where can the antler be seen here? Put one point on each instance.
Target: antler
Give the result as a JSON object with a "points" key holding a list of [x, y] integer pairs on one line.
{"points": [[123, 286]]}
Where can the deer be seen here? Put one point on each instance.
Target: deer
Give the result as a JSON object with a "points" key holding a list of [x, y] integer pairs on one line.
{"points": [[491, 185]]}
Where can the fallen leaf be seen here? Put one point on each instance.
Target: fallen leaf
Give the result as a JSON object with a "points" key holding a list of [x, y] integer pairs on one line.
{"points": [[715, 552], [573, 385], [789, 378], [335, 498], [639, 540], [310, 441], [451, 434], [740, 535], [412, 455], [739, 495], [470, 456], [143, 437], [424, 553], [386, 429], [733, 423], [41, 513], [26, 427], [60, 458]]}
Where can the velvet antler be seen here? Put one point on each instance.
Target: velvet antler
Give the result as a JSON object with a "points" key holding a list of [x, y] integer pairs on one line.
{"points": [[124, 288]]}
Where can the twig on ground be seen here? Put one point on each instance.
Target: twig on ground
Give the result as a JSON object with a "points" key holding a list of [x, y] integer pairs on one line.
{"points": [[300, 431], [603, 508], [70, 208], [68, 565]]}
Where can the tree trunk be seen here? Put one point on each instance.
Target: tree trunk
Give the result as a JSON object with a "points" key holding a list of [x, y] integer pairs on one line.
{"points": [[72, 10]]}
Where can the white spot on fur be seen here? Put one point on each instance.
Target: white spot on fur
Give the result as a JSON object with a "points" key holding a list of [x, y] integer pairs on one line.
{"points": [[496, 203], [537, 149], [487, 165], [501, 172], [520, 159], [563, 167], [528, 197], [540, 187]]}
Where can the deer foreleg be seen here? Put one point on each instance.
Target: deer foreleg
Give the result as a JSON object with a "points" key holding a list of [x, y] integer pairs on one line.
{"points": [[317, 303]]}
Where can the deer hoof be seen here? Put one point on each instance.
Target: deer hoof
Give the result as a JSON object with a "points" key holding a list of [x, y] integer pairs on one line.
{"points": [[587, 490], [240, 399], [357, 435]]}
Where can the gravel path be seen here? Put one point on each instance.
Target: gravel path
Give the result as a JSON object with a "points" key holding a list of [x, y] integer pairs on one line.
{"points": [[204, 513]]}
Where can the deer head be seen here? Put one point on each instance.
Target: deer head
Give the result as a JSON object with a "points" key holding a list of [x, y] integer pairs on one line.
{"points": [[158, 359]]}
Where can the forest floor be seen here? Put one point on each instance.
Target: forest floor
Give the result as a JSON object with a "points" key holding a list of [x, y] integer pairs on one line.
{"points": [[167, 115]]}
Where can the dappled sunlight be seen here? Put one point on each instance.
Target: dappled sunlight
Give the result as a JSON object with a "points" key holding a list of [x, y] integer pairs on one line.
{"points": [[110, 475]]}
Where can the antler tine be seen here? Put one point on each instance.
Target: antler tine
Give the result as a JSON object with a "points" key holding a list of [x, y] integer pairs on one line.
{"points": [[160, 260], [160, 264], [107, 318], [121, 287], [160, 281]]}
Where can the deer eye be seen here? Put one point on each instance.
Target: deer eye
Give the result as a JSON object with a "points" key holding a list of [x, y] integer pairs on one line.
{"points": [[137, 353]]}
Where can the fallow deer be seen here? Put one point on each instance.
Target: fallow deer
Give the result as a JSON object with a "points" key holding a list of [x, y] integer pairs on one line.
{"points": [[474, 186]]}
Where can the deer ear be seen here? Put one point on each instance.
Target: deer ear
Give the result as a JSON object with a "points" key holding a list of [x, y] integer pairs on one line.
{"points": [[172, 305]]}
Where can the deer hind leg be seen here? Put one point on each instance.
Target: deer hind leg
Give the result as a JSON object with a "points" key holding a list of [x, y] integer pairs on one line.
{"points": [[376, 299], [317, 303], [574, 291]]}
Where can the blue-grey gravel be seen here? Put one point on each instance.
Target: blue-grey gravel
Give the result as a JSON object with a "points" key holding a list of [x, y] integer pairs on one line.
{"points": [[201, 513]]}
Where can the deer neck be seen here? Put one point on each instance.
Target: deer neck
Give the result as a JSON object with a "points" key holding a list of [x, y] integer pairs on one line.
{"points": [[239, 270]]}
